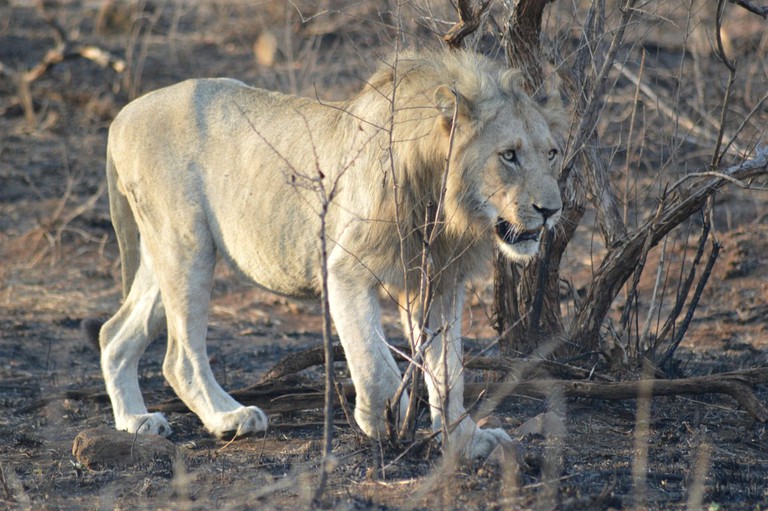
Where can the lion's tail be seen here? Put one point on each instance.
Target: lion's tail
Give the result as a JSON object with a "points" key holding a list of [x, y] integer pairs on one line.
{"points": [[127, 232], [91, 329], [126, 229]]}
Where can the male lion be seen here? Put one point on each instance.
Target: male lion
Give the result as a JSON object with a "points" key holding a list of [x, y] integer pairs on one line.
{"points": [[213, 166]]}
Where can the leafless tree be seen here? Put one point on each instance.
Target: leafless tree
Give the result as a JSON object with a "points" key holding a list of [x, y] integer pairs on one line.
{"points": [[527, 300]]}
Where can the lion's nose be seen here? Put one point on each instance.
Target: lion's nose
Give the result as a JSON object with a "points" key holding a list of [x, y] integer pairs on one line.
{"points": [[545, 212]]}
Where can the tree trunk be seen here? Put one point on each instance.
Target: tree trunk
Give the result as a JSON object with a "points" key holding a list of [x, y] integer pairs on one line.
{"points": [[526, 300]]}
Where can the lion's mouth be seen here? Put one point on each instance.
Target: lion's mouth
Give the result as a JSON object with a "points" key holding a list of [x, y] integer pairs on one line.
{"points": [[507, 233]]}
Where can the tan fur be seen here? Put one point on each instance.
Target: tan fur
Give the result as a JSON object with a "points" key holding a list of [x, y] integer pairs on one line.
{"points": [[214, 166]]}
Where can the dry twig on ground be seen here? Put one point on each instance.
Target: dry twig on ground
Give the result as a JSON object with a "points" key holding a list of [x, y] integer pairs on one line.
{"points": [[63, 50]]}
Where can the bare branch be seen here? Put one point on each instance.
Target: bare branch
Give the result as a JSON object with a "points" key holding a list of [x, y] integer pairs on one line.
{"points": [[595, 103], [735, 384], [621, 259], [760, 11], [685, 286], [719, 175], [686, 122], [692, 306], [469, 21], [731, 65]]}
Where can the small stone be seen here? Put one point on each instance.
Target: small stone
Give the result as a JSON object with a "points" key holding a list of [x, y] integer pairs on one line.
{"points": [[506, 454], [548, 423], [108, 448]]}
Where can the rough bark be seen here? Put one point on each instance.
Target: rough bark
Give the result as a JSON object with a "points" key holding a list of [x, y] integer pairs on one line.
{"points": [[736, 384], [469, 22]]}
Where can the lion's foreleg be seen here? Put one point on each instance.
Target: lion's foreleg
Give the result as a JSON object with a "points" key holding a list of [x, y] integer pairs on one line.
{"points": [[443, 367], [356, 314], [444, 375]]}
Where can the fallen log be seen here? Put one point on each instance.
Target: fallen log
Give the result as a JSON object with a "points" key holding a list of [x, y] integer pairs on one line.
{"points": [[737, 384], [292, 394], [280, 396], [296, 362]]}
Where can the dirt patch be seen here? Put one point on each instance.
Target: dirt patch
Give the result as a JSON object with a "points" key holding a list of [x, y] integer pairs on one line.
{"points": [[59, 266]]}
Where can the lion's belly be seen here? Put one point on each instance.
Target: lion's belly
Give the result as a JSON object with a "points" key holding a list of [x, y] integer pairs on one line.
{"points": [[268, 263], [268, 237]]}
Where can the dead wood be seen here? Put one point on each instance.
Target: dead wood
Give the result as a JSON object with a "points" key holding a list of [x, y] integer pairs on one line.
{"points": [[285, 396], [296, 362], [759, 10], [622, 258], [278, 396], [94, 394], [291, 394], [469, 21], [737, 384]]}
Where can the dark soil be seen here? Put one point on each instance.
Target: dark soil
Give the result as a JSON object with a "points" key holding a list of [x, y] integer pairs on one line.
{"points": [[60, 266]]}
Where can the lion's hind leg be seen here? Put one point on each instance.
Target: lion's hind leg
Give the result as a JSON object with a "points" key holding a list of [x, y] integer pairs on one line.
{"points": [[123, 340], [185, 266]]}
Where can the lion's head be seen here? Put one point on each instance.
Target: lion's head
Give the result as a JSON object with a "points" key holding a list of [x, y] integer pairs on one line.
{"points": [[508, 149]]}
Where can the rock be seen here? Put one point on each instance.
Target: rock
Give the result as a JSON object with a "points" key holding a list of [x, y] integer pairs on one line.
{"points": [[107, 448], [506, 454], [548, 423]]}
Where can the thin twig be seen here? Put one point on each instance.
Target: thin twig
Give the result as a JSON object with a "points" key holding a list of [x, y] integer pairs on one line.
{"points": [[693, 127], [620, 259], [694, 302], [348, 414], [732, 141], [655, 305], [711, 173], [685, 286], [595, 102], [731, 65]]}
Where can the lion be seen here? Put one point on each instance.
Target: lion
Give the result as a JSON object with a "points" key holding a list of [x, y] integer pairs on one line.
{"points": [[213, 168]]}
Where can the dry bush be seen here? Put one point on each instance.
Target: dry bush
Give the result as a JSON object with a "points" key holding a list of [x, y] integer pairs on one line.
{"points": [[647, 133]]}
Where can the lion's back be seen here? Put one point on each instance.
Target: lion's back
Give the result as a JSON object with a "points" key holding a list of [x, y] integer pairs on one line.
{"points": [[219, 152]]}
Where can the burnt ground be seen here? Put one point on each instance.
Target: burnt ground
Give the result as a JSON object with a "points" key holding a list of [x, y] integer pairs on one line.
{"points": [[59, 265]]}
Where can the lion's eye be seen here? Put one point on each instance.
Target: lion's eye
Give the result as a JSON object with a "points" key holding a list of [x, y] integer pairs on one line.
{"points": [[552, 154], [509, 156]]}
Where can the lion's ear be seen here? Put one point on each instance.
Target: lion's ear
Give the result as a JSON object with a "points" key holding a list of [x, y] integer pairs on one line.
{"points": [[448, 101], [512, 81], [553, 110]]}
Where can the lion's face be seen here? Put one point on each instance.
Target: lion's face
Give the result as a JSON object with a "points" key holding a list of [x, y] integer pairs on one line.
{"points": [[519, 185], [510, 159]]}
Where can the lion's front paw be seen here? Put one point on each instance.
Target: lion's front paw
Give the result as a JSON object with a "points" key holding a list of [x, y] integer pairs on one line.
{"points": [[373, 427], [145, 423], [374, 422], [479, 443], [243, 421]]}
